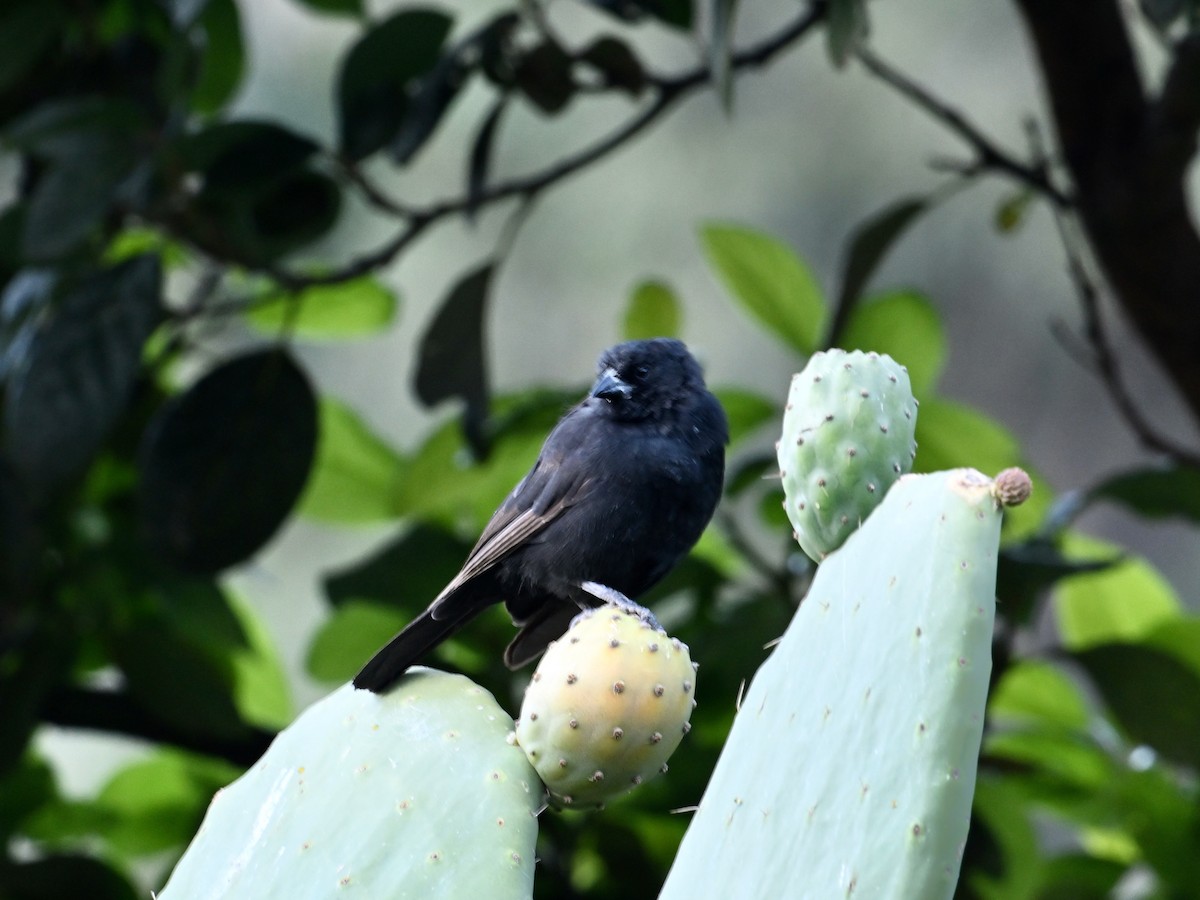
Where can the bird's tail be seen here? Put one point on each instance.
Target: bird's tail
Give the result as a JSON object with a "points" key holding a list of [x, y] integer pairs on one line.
{"points": [[419, 636]]}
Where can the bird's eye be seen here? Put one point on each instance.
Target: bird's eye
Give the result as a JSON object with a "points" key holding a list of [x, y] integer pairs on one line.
{"points": [[640, 372]]}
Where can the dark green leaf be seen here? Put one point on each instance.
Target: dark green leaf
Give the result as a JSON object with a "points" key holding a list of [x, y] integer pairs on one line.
{"points": [[223, 60], [349, 638], [746, 412], [408, 572], [73, 376], [451, 359], [720, 49], [544, 75], [846, 27], [355, 475], [33, 665], [770, 280], [1011, 211], [869, 244], [292, 213], [749, 471], [335, 7], [245, 154], [1079, 877], [1153, 695], [431, 99], [1161, 13], [653, 311], [362, 306], [27, 28], [905, 326], [1025, 570], [480, 163], [223, 464], [1154, 493], [63, 876], [176, 681], [617, 64], [24, 788], [377, 76]]}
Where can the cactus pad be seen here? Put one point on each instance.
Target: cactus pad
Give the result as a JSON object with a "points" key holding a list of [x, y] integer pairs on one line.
{"points": [[850, 769], [411, 794], [609, 703], [847, 436]]}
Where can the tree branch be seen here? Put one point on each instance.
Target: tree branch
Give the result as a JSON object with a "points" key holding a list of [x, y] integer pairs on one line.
{"points": [[667, 92]]}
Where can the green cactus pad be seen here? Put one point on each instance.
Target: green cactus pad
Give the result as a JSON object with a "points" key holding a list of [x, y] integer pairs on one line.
{"points": [[847, 436], [851, 765], [609, 703], [411, 794]]}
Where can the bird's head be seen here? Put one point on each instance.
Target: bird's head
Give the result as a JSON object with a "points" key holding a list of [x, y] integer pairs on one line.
{"points": [[640, 380]]}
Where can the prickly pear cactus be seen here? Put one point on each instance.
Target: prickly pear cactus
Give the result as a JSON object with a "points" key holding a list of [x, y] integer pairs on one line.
{"points": [[412, 794], [609, 703], [851, 765], [847, 436]]}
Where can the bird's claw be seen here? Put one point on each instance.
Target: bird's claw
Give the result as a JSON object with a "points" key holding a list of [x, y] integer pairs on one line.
{"points": [[610, 595]]}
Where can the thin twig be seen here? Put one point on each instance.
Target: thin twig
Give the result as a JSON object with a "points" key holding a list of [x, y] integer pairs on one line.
{"points": [[989, 155], [1104, 358], [667, 91]]}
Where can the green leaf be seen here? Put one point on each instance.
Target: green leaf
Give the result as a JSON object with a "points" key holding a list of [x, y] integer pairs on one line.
{"points": [[1037, 693], [223, 61], [1010, 213], [746, 412], [1123, 603], [653, 311], [376, 76], [770, 280], [870, 243], [27, 29], [617, 64], [356, 475], [336, 7], [545, 75], [223, 464], [244, 154], [451, 361], [406, 573], [1153, 695], [24, 788], [906, 326], [329, 311], [260, 686], [352, 634], [1154, 493], [64, 876]]}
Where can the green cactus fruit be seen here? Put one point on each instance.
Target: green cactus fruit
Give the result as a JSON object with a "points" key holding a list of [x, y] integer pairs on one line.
{"points": [[847, 436], [850, 768], [415, 793], [609, 703]]}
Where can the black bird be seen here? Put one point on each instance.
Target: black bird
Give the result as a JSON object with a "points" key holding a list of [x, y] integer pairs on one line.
{"points": [[622, 489]]}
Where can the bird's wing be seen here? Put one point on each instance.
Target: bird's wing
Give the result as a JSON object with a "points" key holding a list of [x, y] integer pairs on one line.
{"points": [[542, 496]]}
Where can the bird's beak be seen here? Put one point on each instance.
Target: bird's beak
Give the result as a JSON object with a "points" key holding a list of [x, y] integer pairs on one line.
{"points": [[610, 387]]}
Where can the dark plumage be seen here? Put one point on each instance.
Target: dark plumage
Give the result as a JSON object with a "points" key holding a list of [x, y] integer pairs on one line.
{"points": [[623, 487]]}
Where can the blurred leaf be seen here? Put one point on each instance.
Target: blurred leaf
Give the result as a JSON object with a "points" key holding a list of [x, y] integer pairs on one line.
{"points": [[617, 64], [907, 327], [23, 789], [349, 638], [1154, 493], [260, 686], [1066, 763], [1011, 211], [1038, 693], [653, 311], [1179, 638], [544, 75], [746, 412], [846, 26], [771, 282], [377, 74], [1161, 13], [223, 464], [479, 167], [291, 213], [175, 681], [33, 667], [131, 242], [1078, 877], [158, 803], [73, 374], [336, 7], [27, 29], [1123, 603], [355, 476], [720, 49], [223, 60], [870, 243], [245, 153], [677, 13], [1028, 568], [451, 359], [1011, 832], [63, 876], [328, 311], [408, 572], [1152, 694]]}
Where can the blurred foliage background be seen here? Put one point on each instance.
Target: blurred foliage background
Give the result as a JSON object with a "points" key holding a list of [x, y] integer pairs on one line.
{"points": [[293, 290]]}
